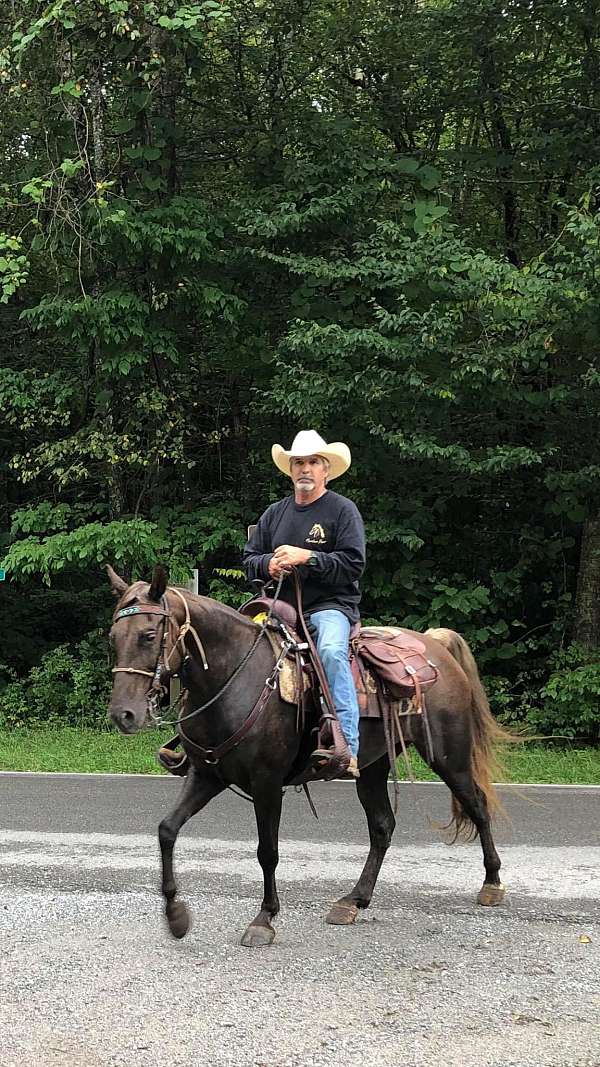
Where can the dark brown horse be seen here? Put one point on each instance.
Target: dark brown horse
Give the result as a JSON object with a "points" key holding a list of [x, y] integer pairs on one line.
{"points": [[154, 626]]}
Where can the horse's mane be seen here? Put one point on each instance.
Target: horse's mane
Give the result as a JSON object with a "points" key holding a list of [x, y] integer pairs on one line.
{"points": [[135, 593]]}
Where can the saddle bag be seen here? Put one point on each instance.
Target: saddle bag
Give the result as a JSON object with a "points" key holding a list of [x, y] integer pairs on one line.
{"points": [[398, 661]]}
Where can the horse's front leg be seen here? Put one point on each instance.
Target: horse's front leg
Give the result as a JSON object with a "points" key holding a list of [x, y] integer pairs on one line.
{"points": [[267, 808], [199, 788]]}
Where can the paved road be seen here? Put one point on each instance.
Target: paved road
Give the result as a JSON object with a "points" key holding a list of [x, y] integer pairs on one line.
{"points": [[89, 976]]}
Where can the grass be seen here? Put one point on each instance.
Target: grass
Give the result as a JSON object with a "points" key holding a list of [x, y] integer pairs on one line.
{"points": [[104, 751], [73, 749]]}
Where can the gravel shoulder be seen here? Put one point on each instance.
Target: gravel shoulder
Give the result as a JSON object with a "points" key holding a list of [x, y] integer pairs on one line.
{"points": [[89, 975]]}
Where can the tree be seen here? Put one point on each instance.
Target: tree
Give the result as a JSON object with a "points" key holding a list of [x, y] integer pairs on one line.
{"points": [[220, 221]]}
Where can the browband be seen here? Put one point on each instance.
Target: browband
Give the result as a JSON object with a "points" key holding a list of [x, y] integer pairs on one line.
{"points": [[146, 609]]}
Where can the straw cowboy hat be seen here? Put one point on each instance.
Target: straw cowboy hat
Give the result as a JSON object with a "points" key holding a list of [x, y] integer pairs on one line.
{"points": [[310, 443]]}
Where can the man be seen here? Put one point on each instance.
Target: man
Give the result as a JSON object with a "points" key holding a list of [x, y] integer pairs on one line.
{"points": [[322, 534]]}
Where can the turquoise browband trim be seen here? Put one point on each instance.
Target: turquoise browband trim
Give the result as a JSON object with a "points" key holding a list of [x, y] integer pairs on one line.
{"points": [[127, 611]]}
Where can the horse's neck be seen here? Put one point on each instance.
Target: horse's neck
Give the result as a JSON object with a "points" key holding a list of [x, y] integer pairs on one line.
{"points": [[225, 637]]}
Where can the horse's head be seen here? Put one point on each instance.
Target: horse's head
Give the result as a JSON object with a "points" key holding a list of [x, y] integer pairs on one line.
{"points": [[138, 637]]}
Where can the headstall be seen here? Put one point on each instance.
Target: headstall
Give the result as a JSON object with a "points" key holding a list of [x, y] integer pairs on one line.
{"points": [[163, 658], [209, 755]]}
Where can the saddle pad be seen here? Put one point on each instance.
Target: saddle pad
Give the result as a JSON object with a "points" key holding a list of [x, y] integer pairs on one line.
{"points": [[288, 676]]}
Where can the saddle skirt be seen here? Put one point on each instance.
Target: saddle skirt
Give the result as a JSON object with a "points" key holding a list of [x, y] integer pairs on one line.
{"points": [[388, 664]]}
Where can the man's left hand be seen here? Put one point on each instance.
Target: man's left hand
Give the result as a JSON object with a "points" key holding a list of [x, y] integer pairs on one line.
{"points": [[289, 556]]}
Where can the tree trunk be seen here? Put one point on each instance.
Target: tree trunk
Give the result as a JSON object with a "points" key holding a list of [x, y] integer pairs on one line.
{"points": [[587, 601], [501, 140]]}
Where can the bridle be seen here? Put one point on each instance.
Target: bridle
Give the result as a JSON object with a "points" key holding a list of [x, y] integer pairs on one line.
{"points": [[211, 755], [162, 665]]}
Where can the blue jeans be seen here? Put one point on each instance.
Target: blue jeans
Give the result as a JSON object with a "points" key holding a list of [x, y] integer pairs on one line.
{"points": [[333, 632]]}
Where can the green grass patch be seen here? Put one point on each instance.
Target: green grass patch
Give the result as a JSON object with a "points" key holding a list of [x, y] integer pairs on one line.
{"points": [[73, 749], [106, 751]]}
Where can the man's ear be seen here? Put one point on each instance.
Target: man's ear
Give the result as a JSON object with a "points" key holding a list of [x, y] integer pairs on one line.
{"points": [[118, 584], [160, 580]]}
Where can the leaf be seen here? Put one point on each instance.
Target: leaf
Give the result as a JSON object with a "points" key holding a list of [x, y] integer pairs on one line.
{"points": [[429, 177], [584, 939], [406, 165], [506, 651], [438, 211], [124, 125], [71, 166]]}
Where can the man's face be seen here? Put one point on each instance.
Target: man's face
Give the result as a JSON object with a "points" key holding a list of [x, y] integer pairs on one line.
{"points": [[308, 473]]}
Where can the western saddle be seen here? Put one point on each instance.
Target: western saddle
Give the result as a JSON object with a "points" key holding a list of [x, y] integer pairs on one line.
{"points": [[389, 664]]}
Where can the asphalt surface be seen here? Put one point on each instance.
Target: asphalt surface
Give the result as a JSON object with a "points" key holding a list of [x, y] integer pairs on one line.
{"points": [[88, 974]]}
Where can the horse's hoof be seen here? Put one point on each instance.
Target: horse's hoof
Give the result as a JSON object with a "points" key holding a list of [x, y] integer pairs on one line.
{"points": [[491, 895], [343, 913], [178, 918], [258, 936]]}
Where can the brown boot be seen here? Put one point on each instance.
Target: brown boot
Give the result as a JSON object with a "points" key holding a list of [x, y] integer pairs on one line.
{"points": [[173, 762], [324, 758]]}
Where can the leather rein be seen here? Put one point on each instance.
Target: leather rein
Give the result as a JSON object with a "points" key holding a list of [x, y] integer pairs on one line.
{"points": [[210, 755]]}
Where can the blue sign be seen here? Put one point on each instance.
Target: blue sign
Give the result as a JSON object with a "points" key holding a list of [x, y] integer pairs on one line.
{"points": [[2, 575]]}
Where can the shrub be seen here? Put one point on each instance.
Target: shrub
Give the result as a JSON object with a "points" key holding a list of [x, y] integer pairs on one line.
{"points": [[570, 702], [70, 687]]}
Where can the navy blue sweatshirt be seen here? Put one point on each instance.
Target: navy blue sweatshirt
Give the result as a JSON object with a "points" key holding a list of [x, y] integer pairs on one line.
{"points": [[331, 528]]}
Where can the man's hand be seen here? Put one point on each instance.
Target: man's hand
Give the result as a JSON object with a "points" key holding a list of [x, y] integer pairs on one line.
{"points": [[288, 556], [276, 569], [285, 557]]}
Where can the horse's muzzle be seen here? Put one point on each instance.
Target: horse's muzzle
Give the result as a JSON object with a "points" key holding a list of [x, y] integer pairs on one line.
{"points": [[126, 720]]}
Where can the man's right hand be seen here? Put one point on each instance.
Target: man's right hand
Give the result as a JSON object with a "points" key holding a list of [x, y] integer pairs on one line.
{"points": [[276, 569]]}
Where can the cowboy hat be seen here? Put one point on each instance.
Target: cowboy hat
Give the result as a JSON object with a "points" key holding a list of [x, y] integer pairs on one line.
{"points": [[310, 443]]}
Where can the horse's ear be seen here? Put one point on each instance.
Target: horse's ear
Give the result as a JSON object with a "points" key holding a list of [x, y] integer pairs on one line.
{"points": [[118, 584], [160, 580]]}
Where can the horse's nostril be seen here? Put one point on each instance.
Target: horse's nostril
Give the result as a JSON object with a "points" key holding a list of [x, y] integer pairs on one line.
{"points": [[124, 719]]}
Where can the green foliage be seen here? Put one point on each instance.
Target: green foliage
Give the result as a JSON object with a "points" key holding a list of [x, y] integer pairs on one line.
{"points": [[220, 222], [71, 687], [14, 266], [180, 536], [571, 696]]}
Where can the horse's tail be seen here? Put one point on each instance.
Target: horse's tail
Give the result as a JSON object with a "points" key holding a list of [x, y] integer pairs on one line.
{"points": [[488, 736]]}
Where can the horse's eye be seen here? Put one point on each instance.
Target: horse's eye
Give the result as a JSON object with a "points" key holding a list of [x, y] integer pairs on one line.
{"points": [[148, 635]]}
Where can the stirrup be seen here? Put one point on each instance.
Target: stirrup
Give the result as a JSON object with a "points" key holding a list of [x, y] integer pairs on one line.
{"points": [[322, 756], [322, 760]]}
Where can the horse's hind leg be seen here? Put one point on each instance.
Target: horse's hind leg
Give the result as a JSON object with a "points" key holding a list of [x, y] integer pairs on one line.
{"points": [[372, 788], [197, 791], [267, 808], [456, 772]]}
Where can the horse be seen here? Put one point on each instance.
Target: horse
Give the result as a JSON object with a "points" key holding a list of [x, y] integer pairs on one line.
{"points": [[238, 732]]}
